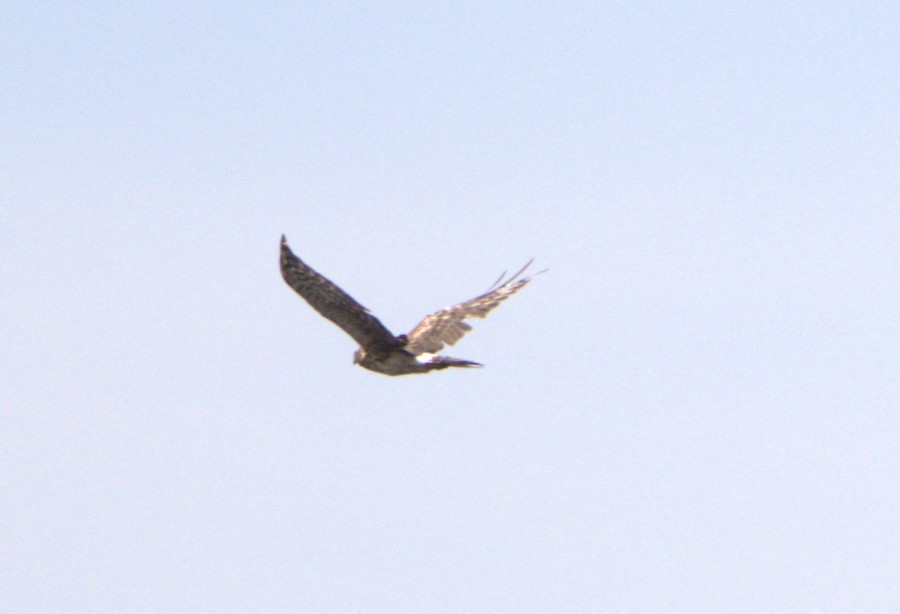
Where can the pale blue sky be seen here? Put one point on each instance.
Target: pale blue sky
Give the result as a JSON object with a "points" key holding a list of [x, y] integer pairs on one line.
{"points": [[696, 409]]}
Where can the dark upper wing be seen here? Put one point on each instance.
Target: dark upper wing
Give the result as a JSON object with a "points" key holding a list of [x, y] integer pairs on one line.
{"points": [[334, 303], [447, 326]]}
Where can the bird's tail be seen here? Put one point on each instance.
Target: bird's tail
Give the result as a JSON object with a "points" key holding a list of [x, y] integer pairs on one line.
{"points": [[442, 362]]}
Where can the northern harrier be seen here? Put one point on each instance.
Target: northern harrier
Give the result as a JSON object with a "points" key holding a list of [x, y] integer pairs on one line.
{"points": [[379, 349]]}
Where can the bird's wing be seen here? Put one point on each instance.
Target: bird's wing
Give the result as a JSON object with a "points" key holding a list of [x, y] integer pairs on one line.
{"points": [[333, 303], [447, 326]]}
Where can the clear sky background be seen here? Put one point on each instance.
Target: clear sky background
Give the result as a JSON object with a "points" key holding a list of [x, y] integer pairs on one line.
{"points": [[695, 410]]}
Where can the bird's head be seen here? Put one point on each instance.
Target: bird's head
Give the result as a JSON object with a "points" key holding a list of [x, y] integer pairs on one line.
{"points": [[358, 356]]}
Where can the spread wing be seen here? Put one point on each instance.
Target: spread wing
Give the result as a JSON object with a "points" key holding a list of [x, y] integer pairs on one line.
{"points": [[447, 326], [333, 303]]}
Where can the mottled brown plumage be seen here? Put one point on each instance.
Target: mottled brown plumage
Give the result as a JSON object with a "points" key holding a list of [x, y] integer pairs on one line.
{"points": [[379, 349]]}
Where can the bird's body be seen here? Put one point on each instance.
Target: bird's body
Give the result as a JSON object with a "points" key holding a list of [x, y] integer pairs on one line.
{"points": [[380, 350], [401, 362]]}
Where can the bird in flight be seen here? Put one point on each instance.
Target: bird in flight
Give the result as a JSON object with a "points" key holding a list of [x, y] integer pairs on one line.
{"points": [[379, 349]]}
